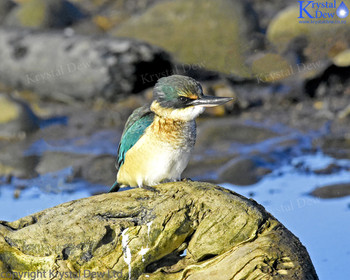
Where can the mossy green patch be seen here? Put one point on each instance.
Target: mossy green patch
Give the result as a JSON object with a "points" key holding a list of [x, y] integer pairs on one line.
{"points": [[9, 110], [32, 13], [271, 67], [195, 31]]}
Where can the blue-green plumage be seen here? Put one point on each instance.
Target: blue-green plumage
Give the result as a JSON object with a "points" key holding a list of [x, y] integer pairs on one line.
{"points": [[135, 127], [164, 150]]}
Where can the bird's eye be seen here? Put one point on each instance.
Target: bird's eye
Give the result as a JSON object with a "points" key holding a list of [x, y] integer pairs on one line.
{"points": [[183, 99]]}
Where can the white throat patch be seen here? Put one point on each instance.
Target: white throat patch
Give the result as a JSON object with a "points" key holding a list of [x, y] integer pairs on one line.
{"points": [[183, 114]]}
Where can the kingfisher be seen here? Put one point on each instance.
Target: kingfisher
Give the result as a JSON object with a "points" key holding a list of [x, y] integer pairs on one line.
{"points": [[158, 138]]}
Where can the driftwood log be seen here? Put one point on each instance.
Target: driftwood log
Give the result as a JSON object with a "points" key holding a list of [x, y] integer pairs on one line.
{"points": [[183, 230], [64, 66]]}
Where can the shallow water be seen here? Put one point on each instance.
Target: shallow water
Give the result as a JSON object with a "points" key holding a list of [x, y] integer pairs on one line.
{"points": [[46, 191], [323, 225]]}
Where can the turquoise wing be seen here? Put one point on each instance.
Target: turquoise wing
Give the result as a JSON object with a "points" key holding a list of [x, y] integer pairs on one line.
{"points": [[135, 127]]}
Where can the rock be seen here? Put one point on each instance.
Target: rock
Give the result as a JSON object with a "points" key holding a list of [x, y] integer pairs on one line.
{"points": [[100, 170], [225, 132], [332, 191], [52, 161], [44, 14], [286, 27], [205, 167], [243, 171], [14, 161], [342, 59], [338, 147], [198, 32], [5, 7], [221, 89], [329, 169], [266, 11], [16, 118], [68, 68], [109, 14], [18, 165], [271, 67], [180, 230], [333, 81]]}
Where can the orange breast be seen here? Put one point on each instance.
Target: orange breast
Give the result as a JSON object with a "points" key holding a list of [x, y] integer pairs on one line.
{"points": [[168, 130]]}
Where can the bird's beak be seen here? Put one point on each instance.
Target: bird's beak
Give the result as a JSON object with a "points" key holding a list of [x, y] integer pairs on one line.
{"points": [[210, 101]]}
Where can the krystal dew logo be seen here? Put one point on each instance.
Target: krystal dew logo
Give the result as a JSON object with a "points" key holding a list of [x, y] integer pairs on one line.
{"points": [[322, 12]]}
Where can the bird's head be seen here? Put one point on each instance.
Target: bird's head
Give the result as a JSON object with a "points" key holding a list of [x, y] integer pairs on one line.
{"points": [[181, 98]]}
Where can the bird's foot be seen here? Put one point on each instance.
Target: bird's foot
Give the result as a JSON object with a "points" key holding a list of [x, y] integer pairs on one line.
{"points": [[186, 180], [150, 189], [116, 186]]}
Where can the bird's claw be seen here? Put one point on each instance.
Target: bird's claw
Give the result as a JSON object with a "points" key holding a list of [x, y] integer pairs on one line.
{"points": [[152, 189], [186, 180]]}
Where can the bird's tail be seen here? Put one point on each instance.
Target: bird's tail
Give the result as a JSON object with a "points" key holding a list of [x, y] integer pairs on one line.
{"points": [[115, 187]]}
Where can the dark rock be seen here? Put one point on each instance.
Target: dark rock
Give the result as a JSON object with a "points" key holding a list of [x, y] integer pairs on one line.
{"points": [[52, 161], [16, 118], [332, 191], [94, 169], [227, 131], [333, 81], [205, 168], [251, 94], [329, 169], [221, 89], [243, 171], [14, 164], [5, 7], [338, 147], [266, 10], [70, 68], [100, 170]]}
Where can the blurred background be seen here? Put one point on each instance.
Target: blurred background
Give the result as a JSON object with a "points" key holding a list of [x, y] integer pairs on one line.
{"points": [[71, 72]]}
